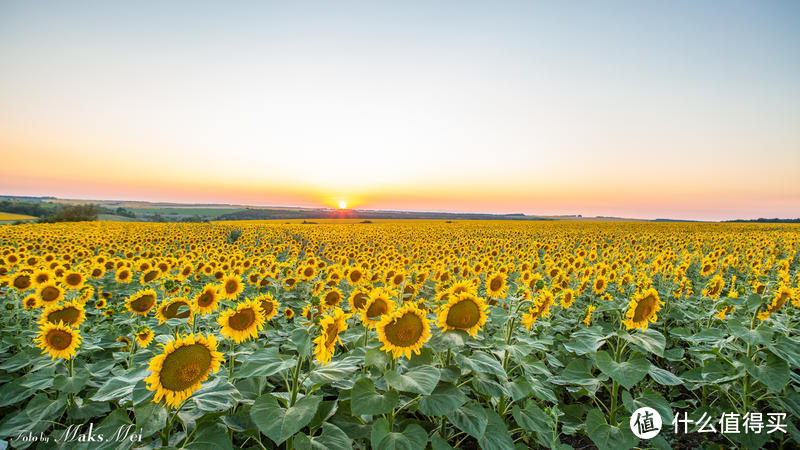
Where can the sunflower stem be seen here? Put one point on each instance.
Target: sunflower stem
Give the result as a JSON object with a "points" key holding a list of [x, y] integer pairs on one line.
{"points": [[295, 384], [232, 359]]}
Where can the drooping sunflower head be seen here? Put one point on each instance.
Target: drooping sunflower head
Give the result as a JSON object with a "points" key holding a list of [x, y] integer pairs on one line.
{"points": [[30, 302], [49, 293], [182, 367], [149, 276], [242, 322], [378, 304], [782, 295], [58, 340], [207, 301], [464, 311], [231, 287], [141, 302], [71, 314], [175, 308], [330, 326], [643, 309], [144, 337], [403, 331], [496, 285]]}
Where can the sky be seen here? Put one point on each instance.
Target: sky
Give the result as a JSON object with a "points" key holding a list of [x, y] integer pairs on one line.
{"points": [[656, 109]]}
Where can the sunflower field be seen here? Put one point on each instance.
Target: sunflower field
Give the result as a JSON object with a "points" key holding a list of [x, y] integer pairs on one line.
{"points": [[412, 335]]}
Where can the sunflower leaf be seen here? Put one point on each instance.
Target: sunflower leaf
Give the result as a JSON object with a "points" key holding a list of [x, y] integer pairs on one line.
{"points": [[279, 423]]}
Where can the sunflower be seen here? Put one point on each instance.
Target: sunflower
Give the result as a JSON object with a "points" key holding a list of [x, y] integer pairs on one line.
{"points": [[724, 312], [148, 276], [331, 325], [714, 287], [358, 299], [141, 302], [599, 285], [379, 303], [71, 314], [100, 304], [782, 295], [49, 293], [288, 313], [308, 272], [269, 306], [73, 280], [97, 271], [30, 302], [567, 298], [643, 309], [403, 331], [123, 275], [243, 322], [171, 309], [182, 367], [331, 298], [58, 340], [541, 308], [144, 337], [588, 319], [463, 286], [42, 276], [21, 281], [356, 277], [206, 301], [231, 287], [464, 311], [496, 285]]}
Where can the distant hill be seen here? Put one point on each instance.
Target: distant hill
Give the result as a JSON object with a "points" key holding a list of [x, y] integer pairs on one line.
{"points": [[763, 220]]}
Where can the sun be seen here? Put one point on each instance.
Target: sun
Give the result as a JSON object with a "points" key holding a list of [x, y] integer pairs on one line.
{"points": [[342, 204]]}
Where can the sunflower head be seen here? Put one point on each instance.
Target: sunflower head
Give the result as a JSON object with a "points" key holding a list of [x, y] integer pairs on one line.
{"points": [[643, 309], [182, 367], [21, 281], [176, 308], [403, 331], [330, 326], [141, 302], [71, 314], [331, 298], [49, 293], [231, 287], [464, 311], [58, 340], [358, 299], [496, 285], [207, 301], [242, 322], [269, 306], [378, 304], [144, 337], [73, 280]]}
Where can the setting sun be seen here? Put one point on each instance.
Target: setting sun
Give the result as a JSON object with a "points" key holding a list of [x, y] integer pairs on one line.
{"points": [[342, 204]]}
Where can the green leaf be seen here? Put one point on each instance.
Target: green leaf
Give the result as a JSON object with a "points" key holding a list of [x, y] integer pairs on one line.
{"points": [[302, 341], [445, 399], [774, 373], [625, 373], [585, 341], [419, 380], [39, 408], [470, 418], [788, 349], [150, 418], [377, 358], [648, 339], [437, 443], [413, 437], [119, 387], [217, 395], [758, 336], [211, 436], [278, 423], [335, 371], [71, 385], [664, 377], [534, 420], [483, 362], [265, 363], [332, 438], [606, 436], [364, 400], [496, 436]]}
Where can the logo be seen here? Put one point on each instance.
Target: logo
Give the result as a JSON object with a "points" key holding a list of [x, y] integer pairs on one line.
{"points": [[646, 423]]}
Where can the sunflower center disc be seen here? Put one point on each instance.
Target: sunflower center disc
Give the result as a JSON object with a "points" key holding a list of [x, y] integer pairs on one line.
{"points": [[143, 303], [242, 319], [185, 366], [59, 339], [172, 311], [67, 315], [49, 293], [464, 314], [404, 331]]}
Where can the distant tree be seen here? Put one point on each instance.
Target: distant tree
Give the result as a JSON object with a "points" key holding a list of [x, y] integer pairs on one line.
{"points": [[73, 213]]}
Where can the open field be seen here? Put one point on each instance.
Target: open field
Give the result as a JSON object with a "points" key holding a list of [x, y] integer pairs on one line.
{"points": [[12, 216], [494, 334]]}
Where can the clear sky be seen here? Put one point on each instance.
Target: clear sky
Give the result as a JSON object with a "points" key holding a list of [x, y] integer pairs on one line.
{"points": [[682, 109]]}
